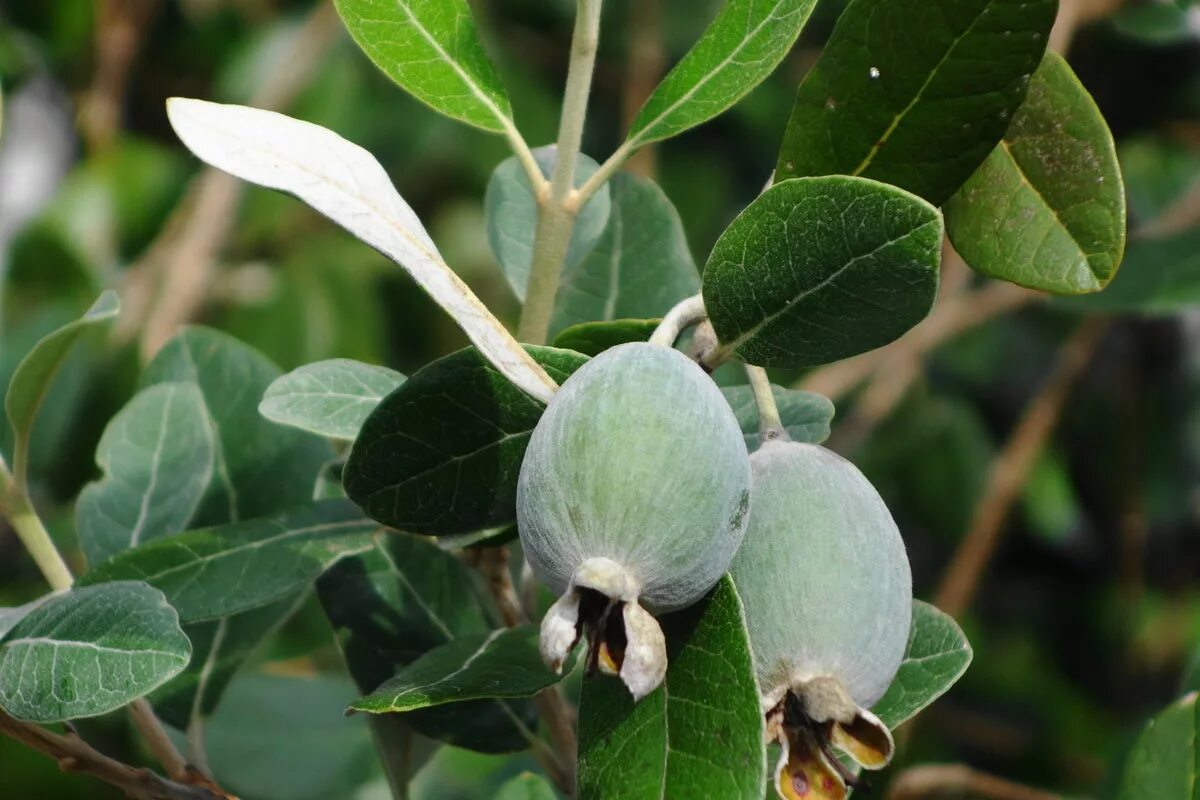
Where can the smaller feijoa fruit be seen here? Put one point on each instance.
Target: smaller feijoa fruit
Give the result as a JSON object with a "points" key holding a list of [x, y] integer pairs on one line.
{"points": [[632, 499], [825, 581]]}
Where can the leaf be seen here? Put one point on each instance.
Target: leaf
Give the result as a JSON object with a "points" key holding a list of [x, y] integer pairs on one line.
{"points": [[1160, 276], [219, 649], [441, 454], [33, 376], [157, 455], [1165, 760], [9, 617], [345, 183], [502, 663], [285, 738], [1047, 208], [526, 786], [260, 468], [805, 415], [819, 269], [215, 572], [511, 211], [741, 47], [640, 267], [400, 600], [919, 117], [593, 338], [700, 734], [936, 657], [329, 398], [90, 651], [431, 48]]}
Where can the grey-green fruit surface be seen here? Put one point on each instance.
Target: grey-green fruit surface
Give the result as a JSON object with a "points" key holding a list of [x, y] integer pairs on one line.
{"points": [[823, 575], [640, 460]]}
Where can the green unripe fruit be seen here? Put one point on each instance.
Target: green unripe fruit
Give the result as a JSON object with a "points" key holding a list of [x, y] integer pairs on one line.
{"points": [[827, 589], [633, 494]]}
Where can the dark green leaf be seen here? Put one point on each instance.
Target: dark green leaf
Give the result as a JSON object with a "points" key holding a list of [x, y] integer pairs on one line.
{"points": [[33, 376], [329, 398], [219, 649], [915, 93], [512, 213], [89, 651], [400, 600], [1161, 276], [1165, 759], [502, 663], [441, 454], [1155, 22], [593, 338], [1047, 208], [432, 49], [819, 269], [805, 415], [640, 267], [157, 455], [260, 468], [700, 734], [1158, 173], [285, 738], [741, 47], [215, 572], [937, 656]]}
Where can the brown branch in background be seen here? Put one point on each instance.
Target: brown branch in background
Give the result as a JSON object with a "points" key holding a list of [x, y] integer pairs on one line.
{"points": [[73, 754], [120, 27], [951, 318], [1010, 469], [644, 69], [960, 782], [1073, 15], [167, 288]]}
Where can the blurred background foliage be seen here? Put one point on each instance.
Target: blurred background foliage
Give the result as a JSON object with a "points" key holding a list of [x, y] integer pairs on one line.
{"points": [[1086, 619]]}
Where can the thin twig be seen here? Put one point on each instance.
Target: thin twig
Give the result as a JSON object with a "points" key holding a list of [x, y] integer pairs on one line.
{"points": [[73, 754], [120, 28], [1010, 469], [770, 426], [959, 781], [183, 259], [643, 70], [684, 315], [1073, 15]]}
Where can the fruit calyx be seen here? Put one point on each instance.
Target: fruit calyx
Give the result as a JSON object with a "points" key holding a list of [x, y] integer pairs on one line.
{"points": [[623, 640], [809, 719]]}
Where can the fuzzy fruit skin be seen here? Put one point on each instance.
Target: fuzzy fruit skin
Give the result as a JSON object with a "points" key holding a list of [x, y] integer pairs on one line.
{"points": [[638, 459], [823, 575]]}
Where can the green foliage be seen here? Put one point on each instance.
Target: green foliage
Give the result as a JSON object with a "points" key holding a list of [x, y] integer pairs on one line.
{"points": [[329, 398], [1047, 207], [688, 738], [593, 338], [432, 49], [157, 455], [90, 651], [404, 598], [526, 786], [1165, 759], [920, 117], [503, 663], [937, 655], [806, 416], [512, 213], [741, 47], [818, 269], [1162, 276], [216, 572], [441, 454], [639, 267], [33, 376]]}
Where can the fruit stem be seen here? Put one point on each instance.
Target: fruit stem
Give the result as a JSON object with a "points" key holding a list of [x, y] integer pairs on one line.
{"points": [[684, 315], [770, 426], [556, 214]]}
